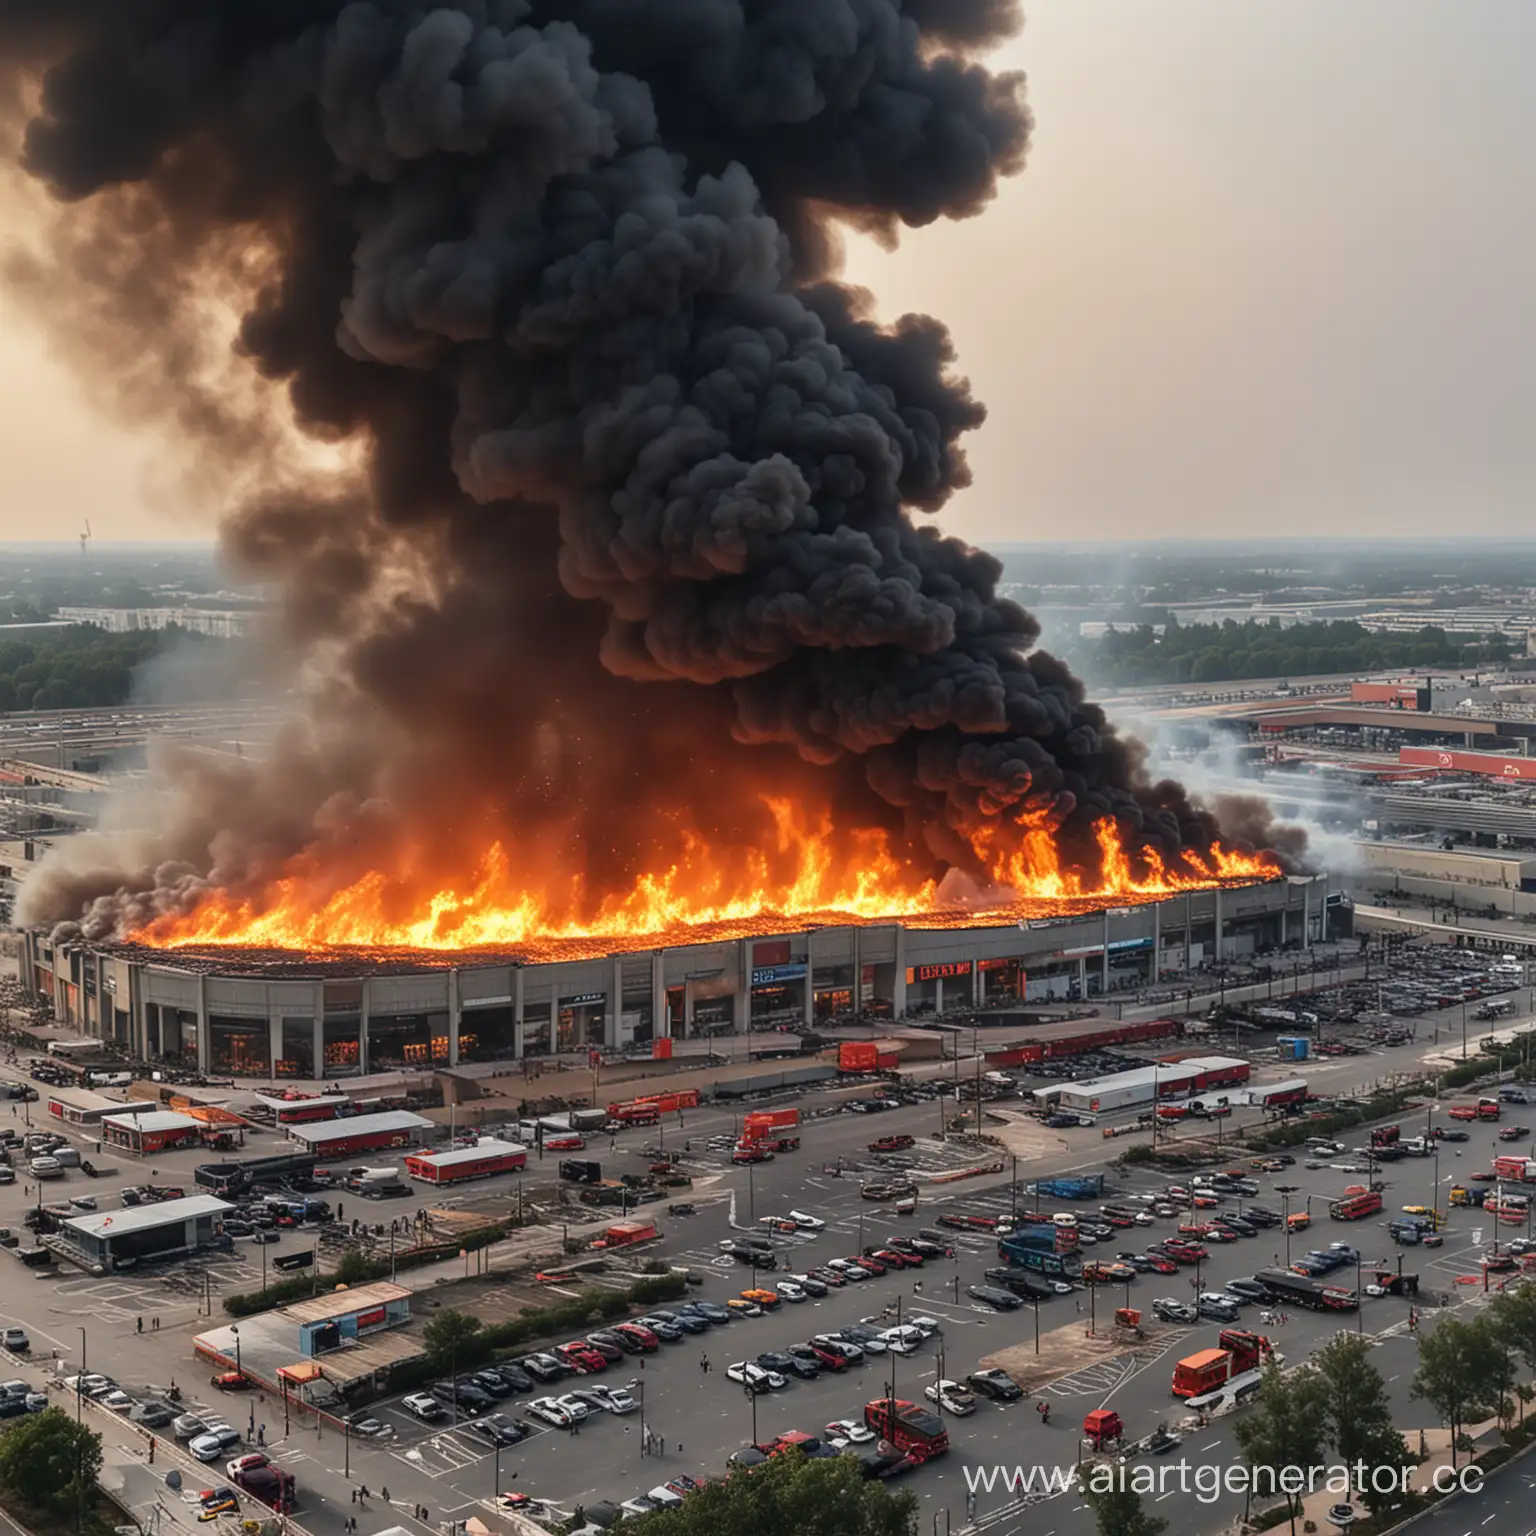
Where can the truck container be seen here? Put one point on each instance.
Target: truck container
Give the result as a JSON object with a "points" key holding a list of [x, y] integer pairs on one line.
{"points": [[1293, 1047], [1386, 1135], [624, 1234], [765, 1122], [857, 1056], [580, 1170], [1201, 1372], [1279, 1096], [634, 1114], [1028, 1251], [484, 1160], [1087, 1186], [913, 1430], [1519, 1168], [588, 1119], [232, 1178], [1303, 1291], [1489, 1109]]}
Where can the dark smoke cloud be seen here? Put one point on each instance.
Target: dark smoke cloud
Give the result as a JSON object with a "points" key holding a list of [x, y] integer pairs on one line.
{"points": [[631, 539]]}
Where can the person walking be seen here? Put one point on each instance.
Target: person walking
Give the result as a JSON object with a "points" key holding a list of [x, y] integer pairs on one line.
{"points": [[384, 1494], [704, 1364], [140, 1328]]}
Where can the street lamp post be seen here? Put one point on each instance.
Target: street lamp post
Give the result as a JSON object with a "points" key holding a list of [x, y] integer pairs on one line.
{"points": [[80, 1381], [636, 1385], [1286, 1205], [234, 1328], [752, 1398]]}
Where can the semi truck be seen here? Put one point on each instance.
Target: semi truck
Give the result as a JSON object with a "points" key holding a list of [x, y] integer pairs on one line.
{"points": [[1520, 1169], [624, 1234], [1303, 1291], [1086, 1186], [1036, 1249]]}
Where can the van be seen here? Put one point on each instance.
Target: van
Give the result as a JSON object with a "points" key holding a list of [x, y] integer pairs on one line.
{"points": [[67, 1157]]}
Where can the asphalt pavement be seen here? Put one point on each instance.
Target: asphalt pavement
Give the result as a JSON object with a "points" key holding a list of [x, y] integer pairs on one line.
{"points": [[701, 1418]]}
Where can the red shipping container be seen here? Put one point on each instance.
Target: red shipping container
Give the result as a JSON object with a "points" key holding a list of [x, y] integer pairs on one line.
{"points": [[857, 1056], [772, 1119], [661, 1050]]}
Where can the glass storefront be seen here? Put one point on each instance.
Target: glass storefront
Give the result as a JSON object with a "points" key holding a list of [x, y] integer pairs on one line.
{"points": [[488, 1034], [536, 1030], [171, 1035], [239, 1047], [407, 1040], [580, 1021], [342, 1044], [635, 1019], [1002, 983], [298, 1058]]}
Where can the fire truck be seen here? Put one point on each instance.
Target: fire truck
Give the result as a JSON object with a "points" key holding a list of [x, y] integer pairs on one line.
{"points": [[1208, 1369]]}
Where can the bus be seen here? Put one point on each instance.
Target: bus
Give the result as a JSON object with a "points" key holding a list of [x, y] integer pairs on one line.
{"points": [[1355, 1207]]}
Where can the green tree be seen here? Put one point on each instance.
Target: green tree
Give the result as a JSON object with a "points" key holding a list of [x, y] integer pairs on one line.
{"points": [[1512, 1316], [828, 1496], [1460, 1365], [453, 1339], [353, 1268], [1359, 1415], [48, 1461], [1287, 1428], [1119, 1511]]}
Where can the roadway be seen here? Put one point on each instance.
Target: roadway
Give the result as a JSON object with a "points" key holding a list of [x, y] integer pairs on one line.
{"points": [[1503, 1506]]}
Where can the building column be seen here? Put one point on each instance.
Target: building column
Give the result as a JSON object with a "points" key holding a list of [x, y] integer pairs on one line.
{"points": [[1157, 942], [810, 981], [661, 1019], [362, 1027], [1189, 926], [204, 1034], [455, 1016], [858, 969], [741, 1000], [517, 1013], [274, 1043], [899, 979], [1104, 958], [975, 984], [1082, 976], [938, 995], [1219, 950], [1306, 913], [614, 1016]]}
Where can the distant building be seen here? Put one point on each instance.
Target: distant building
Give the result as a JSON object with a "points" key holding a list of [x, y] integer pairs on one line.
{"points": [[224, 622]]}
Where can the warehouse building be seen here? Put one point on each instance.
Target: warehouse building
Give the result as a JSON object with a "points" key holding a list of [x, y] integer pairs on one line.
{"points": [[79, 1106], [1146, 1085], [277, 1015], [357, 1134], [108, 1240], [148, 1132]]}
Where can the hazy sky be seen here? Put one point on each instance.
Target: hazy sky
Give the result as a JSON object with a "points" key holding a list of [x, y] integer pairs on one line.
{"points": [[1270, 269]]}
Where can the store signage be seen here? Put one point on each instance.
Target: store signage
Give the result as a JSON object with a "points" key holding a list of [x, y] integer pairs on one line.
{"points": [[584, 998], [771, 975], [372, 1319], [939, 971], [1001, 963]]}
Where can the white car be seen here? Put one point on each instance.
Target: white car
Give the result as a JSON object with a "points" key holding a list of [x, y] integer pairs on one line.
{"points": [[612, 1399], [806, 1222], [951, 1397], [641, 1504], [552, 1411], [903, 1339], [117, 1400], [841, 1432], [790, 1291], [664, 1497], [927, 1326], [574, 1407], [210, 1446], [1141, 1219], [422, 1406], [848, 1269], [754, 1377], [240, 1464]]}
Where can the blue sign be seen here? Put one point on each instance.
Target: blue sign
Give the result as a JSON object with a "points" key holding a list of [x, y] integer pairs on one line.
{"points": [[771, 975], [1119, 944]]}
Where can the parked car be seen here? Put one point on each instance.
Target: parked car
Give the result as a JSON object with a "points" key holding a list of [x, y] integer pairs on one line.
{"points": [[423, 1407], [951, 1397], [998, 1385], [213, 1442]]}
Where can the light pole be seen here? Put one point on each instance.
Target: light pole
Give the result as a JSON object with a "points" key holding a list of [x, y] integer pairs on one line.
{"points": [[1015, 1189], [80, 1381], [1286, 1204], [636, 1385], [751, 1194], [234, 1328], [752, 1398]]}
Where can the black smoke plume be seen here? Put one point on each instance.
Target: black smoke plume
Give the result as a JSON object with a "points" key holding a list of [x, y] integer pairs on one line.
{"points": [[631, 536]]}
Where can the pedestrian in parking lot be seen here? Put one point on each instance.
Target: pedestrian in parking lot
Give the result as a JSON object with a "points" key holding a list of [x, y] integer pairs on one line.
{"points": [[384, 1494], [704, 1364], [354, 1495], [141, 1325]]}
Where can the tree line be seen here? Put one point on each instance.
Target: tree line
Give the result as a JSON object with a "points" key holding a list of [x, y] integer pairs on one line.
{"points": [[1138, 655], [81, 667]]}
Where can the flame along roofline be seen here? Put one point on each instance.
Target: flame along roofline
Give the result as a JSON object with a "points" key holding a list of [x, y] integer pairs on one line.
{"points": [[341, 959]]}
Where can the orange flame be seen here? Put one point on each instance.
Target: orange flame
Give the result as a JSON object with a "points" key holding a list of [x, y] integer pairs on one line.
{"points": [[830, 879]]}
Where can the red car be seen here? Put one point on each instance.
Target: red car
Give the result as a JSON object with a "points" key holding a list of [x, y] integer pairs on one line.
{"points": [[874, 1266], [894, 1259], [1162, 1264], [582, 1356], [828, 1276], [564, 1144], [1190, 1253], [638, 1334], [827, 1357]]}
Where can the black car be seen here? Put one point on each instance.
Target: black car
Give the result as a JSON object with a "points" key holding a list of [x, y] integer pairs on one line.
{"points": [[788, 1365], [491, 1381], [711, 1311], [487, 1432], [541, 1370], [1250, 1290], [1262, 1216], [687, 1321], [515, 1377], [995, 1297], [762, 1258], [1238, 1224], [1020, 1282], [997, 1385], [1451, 1135]]}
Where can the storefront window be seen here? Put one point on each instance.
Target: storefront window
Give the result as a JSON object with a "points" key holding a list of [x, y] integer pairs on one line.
{"points": [[536, 1031], [635, 1019], [178, 1028], [152, 1031], [488, 1034], [581, 1021], [298, 1058], [407, 1040], [239, 1047], [341, 1038]]}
